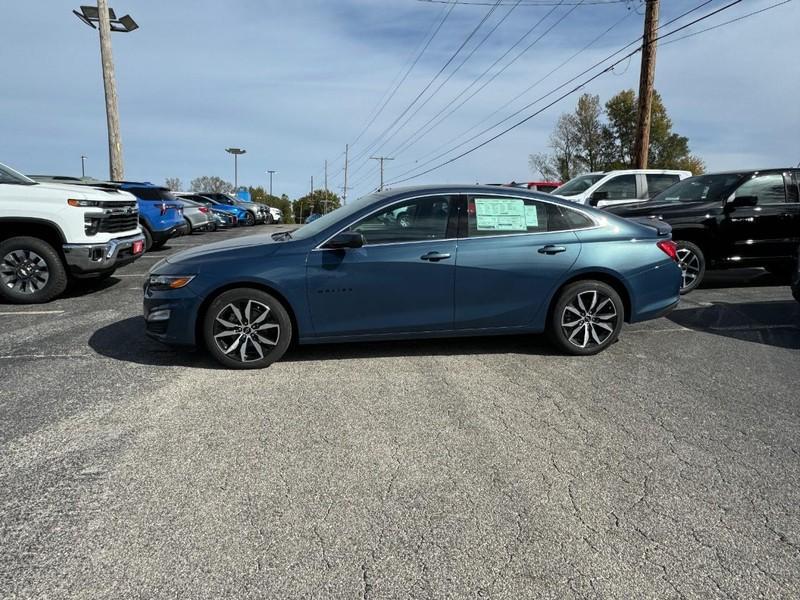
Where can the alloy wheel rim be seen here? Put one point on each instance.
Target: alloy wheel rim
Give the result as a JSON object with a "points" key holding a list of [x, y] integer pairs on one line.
{"points": [[246, 330], [24, 271], [589, 319], [689, 263]]}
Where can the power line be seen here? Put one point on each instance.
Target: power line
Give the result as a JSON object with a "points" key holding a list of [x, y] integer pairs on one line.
{"points": [[536, 3], [414, 137], [369, 148], [567, 93]]}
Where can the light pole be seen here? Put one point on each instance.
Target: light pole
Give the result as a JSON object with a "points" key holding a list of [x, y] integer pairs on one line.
{"points": [[271, 173], [108, 22], [83, 165], [236, 152]]}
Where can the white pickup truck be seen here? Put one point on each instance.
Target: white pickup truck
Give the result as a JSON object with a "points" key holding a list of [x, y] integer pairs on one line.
{"points": [[52, 232]]}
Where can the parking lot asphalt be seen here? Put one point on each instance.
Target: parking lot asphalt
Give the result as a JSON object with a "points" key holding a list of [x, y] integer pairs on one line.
{"points": [[666, 467]]}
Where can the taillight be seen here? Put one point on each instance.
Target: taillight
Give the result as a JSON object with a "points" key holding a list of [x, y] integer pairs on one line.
{"points": [[669, 248], [203, 209]]}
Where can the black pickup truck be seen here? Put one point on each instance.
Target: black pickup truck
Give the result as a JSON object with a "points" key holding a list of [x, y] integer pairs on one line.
{"points": [[727, 220]]}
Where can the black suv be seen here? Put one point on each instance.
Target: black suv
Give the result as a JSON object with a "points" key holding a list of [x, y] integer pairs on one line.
{"points": [[727, 220]]}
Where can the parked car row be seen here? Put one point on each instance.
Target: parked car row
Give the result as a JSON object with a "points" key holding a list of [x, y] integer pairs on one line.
{"points": [[56, 228]]}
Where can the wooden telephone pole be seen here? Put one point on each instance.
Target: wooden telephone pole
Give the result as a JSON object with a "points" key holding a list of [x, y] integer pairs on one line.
{"points": [[109, 84], [646, 80]]}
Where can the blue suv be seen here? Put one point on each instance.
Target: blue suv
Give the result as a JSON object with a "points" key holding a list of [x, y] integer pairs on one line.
{"points": [[160, 213]]}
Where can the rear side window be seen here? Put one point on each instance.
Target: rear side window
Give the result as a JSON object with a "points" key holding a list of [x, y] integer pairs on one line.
{"points": [[148, 193], [575, 219], [768, 189], [622, 187], [792, 190], [657, 183], [505, 215]]}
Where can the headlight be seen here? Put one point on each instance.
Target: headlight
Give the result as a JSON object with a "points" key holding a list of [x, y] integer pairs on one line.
{"points": [[83, 203], [168, 282]]}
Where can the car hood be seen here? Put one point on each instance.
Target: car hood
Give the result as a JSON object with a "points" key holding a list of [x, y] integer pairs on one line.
{"points": [[86, 192], [239, 248]]}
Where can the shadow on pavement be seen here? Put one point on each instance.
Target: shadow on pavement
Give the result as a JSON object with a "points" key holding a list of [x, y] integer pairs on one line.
{"points": [[125, 340], [774, 323], [742, 278]]}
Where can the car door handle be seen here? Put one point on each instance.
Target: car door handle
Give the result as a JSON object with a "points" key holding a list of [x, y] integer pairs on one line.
{"points": [[434, 256], [550, 249]]}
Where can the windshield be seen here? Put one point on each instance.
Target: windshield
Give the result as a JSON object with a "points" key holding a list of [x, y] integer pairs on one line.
{"points": [[322, 223], [703, 188], [9, 175], [579, 184]]}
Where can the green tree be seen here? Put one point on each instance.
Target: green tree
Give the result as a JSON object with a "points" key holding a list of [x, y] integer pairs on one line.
{"points": [[321, 201], [564, 162], [211, 183], [621, 111], [592, 152]]}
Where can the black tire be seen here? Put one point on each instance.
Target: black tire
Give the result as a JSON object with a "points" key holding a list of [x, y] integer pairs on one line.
{"points": [[31, 271], [158, 245], [692, 262], [212, 226], [586, 318], [190, 231], [269, 220], [250, 219], [148, 239], [250, 348]]}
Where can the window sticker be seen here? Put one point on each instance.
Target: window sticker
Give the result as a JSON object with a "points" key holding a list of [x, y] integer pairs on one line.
{"points": [[500, 215], [531, 216]]}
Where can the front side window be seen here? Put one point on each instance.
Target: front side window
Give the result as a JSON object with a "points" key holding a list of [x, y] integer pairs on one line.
{"points": [[657, 183], [502, 216], [410, 221], [767, 189], [703, 188], [622, 187]]}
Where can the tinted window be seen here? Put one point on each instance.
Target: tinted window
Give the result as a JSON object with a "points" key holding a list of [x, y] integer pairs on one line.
{"points": [[577, 185], [703, 188], [150, 193], [622, 187], [575, 219], [501, 216], [658, 183], [409, 221], [792, 191], [769, 189]]}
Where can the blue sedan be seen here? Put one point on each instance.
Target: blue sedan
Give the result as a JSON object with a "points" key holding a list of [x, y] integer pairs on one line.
{"points": [[415, 263]]}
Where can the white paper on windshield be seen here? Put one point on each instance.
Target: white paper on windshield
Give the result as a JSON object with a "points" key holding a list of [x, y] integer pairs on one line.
{"points": [[531, 216], [492, 214]]}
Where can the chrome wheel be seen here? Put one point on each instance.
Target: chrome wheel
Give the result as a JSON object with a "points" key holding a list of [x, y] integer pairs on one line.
{"points": [[246, 330], [24, 271], [689, 263], [589, 319]]}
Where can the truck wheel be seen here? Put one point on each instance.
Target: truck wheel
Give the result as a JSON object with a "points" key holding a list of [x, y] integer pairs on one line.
{"points": [[692, 263], [31, 271], [148, 239]]}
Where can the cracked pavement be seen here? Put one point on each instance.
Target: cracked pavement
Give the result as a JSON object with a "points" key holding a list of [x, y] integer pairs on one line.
{"points": [[666, 467]]}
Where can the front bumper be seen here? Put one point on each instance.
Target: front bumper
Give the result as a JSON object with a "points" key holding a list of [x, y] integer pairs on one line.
{"points": [[170, 317], [95, 259]]}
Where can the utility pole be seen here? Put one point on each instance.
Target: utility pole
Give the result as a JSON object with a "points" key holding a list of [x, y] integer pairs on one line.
{"points": [[381, 159], [326, 174], [646, 80], [271, 173], [237, 152], [83, 165], [344, 188]]}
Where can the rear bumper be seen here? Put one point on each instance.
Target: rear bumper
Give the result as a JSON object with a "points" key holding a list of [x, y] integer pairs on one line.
{"points": [[165, 234], [95, 259]]}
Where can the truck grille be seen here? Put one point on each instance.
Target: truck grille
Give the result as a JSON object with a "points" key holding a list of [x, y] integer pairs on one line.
{"points": [[115, 223]]}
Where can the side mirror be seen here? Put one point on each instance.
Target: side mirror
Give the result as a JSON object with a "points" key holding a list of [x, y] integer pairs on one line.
{"points": [[597, 197], [346, 239], [740, 201]]}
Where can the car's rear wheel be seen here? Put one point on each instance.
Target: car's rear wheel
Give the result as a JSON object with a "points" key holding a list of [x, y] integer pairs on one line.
{"points": [[189, 231], [586, 318], [250, 219], [245, 328], [31, 271], [692, 263]]}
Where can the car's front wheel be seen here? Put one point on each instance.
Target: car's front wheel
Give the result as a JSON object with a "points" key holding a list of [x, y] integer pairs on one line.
{"points": [[31, 271], [250, 219], [692, 262], [586, 318], [246, 328]]}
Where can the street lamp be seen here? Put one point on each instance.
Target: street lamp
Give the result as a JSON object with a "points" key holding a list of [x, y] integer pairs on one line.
{"points": [[236, 152], [83, 165], [108, 22], [271, 173]]}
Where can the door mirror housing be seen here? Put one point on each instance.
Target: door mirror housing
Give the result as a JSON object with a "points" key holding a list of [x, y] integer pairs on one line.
{"points": [[346, 239], [597, 197], [740, 201]]}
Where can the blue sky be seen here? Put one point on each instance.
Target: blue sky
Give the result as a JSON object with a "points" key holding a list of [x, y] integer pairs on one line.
{"points": [[292, 82]]}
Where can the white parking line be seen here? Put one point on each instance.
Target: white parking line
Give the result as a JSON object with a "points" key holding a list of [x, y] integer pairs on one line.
{"points": [[31, 312]]}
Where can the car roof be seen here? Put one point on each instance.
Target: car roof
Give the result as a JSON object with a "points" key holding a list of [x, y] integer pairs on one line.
{"points": [[754, 171]]}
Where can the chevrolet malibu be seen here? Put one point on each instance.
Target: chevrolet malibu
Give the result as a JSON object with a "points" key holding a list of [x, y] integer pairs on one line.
{"points": [[464, 260]]}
